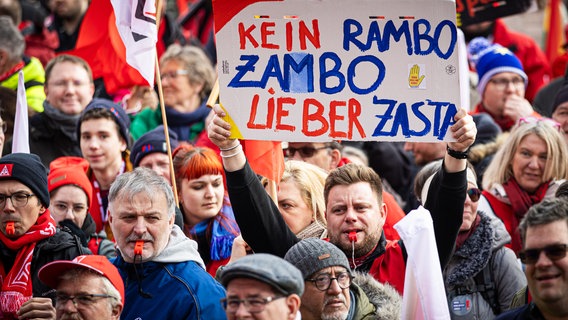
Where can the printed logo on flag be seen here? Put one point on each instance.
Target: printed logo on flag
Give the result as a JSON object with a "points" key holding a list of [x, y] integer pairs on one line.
{"points": [[6, 170]]}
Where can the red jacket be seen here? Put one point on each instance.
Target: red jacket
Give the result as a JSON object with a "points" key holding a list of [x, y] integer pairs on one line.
{"points": [[535, 64]]}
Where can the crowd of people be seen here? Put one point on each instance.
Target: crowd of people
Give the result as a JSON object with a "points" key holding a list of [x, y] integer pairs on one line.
{"points": [[111, 216]]}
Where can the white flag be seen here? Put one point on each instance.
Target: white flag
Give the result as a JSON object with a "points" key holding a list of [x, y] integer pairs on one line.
{"points": [[136, 24], [424, 293], [20, 140]]}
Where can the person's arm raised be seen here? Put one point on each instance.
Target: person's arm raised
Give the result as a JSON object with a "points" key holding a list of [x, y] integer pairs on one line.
{"points": [[219, 132]]}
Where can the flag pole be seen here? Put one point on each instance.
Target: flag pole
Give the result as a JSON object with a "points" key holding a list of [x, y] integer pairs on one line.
{"points": [[271, 187], [163, 108]]}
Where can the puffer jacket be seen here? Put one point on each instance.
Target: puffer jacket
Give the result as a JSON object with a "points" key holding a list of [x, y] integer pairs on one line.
{"points": [[485, 245], [174, 285], [374, 300]]}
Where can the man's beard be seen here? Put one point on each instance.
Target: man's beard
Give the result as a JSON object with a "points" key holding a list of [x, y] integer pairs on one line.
{"points": [[361, 249], [336, 315]]}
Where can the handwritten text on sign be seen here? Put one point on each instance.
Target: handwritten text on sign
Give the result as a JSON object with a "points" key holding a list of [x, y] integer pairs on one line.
{"points": [[348, 75]]}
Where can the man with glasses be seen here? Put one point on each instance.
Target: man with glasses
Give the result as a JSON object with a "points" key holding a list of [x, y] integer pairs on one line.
{"points": [[89, 287], [29, 238], [330, 288], [502, 83], [326, 155], [544, 233], [262, 286], [69, 88]]}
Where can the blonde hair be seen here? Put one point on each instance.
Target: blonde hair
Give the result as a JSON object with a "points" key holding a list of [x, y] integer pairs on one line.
{"points": [[310, 179], [500, 169]]}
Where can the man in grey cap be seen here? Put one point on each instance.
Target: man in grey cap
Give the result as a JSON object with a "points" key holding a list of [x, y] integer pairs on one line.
{"points": [[262, 286], [350, 296]]}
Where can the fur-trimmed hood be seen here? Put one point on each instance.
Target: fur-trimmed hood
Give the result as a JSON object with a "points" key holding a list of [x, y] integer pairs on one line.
{"points": [[383, 297], [489, 236]]}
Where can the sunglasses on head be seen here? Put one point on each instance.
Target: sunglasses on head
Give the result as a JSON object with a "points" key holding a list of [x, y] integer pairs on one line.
{"points": [[553, 252], [548, 121], [474, 194], [305, 152]]}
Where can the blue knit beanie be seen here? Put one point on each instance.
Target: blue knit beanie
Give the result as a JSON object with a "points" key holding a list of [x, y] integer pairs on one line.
{"points": [[118, 114], [490, 59], [151, 142]]}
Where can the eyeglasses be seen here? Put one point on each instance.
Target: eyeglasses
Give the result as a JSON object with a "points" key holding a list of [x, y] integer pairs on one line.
{"points": [[173, 74], [474, 194], [19, 199], [305, 152], [553, 252], [536, 120], [253, 305], [80, 299], [4, 126], [323, 281], [63, 208], [502, 83]]}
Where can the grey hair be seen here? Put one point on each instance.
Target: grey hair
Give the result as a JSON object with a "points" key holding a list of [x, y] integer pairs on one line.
{"points": [[108, 288], [548, 211], [141, 180], [12, 39], [195, 61]]}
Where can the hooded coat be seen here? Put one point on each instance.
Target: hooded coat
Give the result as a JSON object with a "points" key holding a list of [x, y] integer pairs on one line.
{"points": [[485, 245], [174, 285], [374, 299]]}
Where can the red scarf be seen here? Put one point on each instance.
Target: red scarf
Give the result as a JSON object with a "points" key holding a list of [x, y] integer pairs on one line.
{"points": [[504, 123], [521, 201], [17, 283], [464, 235]]}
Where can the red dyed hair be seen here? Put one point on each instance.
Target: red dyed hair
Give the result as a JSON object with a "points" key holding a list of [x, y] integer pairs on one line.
{"points": [[193, 162]]}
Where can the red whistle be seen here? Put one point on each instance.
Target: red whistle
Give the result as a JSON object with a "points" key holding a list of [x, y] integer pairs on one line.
{"points": [[139, 247], [353, 236], [10, 229]]}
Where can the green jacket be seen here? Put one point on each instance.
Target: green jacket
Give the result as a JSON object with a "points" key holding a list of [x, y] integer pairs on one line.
{"points": [[34, 78], [374, 300]]}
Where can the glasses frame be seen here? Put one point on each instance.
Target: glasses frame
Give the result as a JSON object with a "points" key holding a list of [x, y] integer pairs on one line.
{"points": [[531, 256], [503, 84], [14, 203], [551, 122], [174, 74], [247, 303], [305, 152], [336, 278], [61, 299]]}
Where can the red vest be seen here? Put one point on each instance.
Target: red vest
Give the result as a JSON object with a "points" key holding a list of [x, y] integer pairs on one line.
{"points": [[390, 267]]}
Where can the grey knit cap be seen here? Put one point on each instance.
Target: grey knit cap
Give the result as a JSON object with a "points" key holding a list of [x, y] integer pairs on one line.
{"points": [[267, 268], [312, 255]]}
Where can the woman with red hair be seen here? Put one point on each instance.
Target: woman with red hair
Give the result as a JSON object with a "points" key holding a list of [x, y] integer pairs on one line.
{"points": [[207, 213]]}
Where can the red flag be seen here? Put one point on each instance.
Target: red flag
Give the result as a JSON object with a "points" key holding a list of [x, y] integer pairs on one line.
{"points": [[99, 43], [265, 158], [554, 28]]}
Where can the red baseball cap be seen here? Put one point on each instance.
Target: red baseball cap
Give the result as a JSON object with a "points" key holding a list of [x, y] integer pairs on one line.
{"points": [[51, 272]]}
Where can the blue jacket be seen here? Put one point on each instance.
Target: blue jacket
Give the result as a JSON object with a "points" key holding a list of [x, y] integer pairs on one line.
{"points": [[527, 312], [174, 285]]}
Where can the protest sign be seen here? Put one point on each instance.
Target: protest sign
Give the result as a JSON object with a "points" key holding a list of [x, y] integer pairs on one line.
{"points": [[298, 70]]}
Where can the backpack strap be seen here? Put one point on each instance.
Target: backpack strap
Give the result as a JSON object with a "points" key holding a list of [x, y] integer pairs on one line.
{"points": [[486, 286]]}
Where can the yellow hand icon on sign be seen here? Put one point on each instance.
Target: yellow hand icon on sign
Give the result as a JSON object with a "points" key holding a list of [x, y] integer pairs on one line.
{"points": [[414, 78]]}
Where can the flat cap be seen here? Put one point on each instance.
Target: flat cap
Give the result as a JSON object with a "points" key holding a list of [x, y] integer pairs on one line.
{"points": [[272, 270]]}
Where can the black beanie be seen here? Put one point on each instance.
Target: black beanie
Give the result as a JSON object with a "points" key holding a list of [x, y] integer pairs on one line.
{"points": [[151, 142], [27, 169], [562, 95]]}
